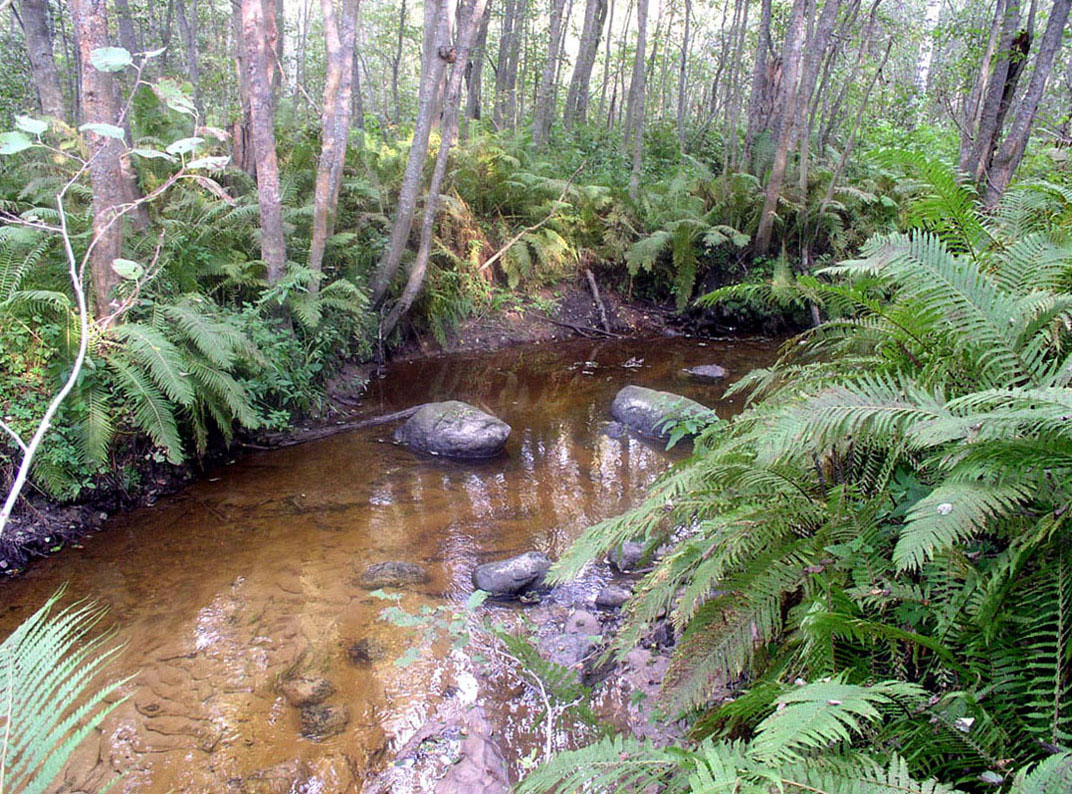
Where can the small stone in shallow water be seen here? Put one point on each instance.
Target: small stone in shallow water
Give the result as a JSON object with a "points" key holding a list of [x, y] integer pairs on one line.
{"points": [[366, 651], [321, 722], [707, 372], [304, 691], [612, 596], [392, 574], [628, 556]]}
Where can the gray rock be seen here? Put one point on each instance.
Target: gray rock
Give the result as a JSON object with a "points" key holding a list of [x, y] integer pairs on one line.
{"points": [[304, 691], [707, 372], [321, 722], [577, 642], [612, 596], [454, 429], [512, 576], [628, 556], [649, 412], [395, 573]]}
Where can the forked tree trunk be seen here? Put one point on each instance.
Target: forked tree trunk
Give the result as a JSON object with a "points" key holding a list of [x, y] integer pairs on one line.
{"points": [[595, 15], [791, 58], [436, 46], [1008, 157], [100, 106], [544, 109], [42, 63], [471, 14], [255, 33], [334, 125]]}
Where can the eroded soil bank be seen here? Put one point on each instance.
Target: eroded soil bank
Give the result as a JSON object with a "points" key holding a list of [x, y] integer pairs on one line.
{"points": [[251, 577]]}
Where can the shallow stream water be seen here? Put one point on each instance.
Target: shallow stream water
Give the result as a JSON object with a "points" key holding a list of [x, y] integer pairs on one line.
{"points": [[221, 591]]}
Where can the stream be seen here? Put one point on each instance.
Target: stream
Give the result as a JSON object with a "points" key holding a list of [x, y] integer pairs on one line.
{"points": [[223, 590]]}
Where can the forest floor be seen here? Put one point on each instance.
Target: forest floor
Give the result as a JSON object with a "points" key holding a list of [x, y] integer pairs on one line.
{"points": [[43, 526]]}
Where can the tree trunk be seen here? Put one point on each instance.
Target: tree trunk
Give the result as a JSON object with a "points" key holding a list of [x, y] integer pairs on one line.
{"points": [[397, 61], [470, 21], [544, 109], [128, 38], [334, 124], [258, 46], [188, 31], [436, 41], [636, 100], [758, 117], [812, 60], [791, 59], [39, 53], [1008, 157], [595, 15], [990, 113], [683, 77], [100, 106], [474, 77]]}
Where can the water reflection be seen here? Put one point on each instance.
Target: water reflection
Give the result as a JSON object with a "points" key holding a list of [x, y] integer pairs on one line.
{"points": [[228, 587]]}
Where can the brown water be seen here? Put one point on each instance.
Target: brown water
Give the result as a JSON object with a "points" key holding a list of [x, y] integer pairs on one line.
{"points": [[222, 590]]}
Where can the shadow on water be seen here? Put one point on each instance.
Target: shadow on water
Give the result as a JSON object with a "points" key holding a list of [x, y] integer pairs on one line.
{"points": [[222, 590]]}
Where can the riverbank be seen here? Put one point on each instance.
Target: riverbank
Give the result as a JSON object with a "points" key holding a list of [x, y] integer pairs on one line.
{"points": [[42, 526]]}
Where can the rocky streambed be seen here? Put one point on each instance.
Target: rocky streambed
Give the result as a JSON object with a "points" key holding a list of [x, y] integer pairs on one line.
{"points": [[303, 620]]}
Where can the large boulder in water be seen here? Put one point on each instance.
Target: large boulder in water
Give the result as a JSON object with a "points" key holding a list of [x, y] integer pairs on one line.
{"points": [[513, 576], [650, 412], [454, 429]]}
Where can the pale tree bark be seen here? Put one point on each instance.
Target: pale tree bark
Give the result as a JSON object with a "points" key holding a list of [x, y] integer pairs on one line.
{"points": [[831, 115], [396, 63], [474, 77], [606, 62], [576, 111], [42, 63], [636, 100], [188, 31], [242, 151], [471, 15], [504, 113], [542, 114], [814, 52], [100, 106], [732, 159], [259, 53], [436, 46], [791, 61], [1007, 160], [683, 76], [758, 119], [334, 124], [973, 105]]}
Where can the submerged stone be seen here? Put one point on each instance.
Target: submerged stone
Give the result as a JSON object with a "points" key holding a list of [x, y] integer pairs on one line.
{"points": [[707, 372], [455, 430], [512, 576], [304, 691], [366, 651], [612, 596], [650, 412], [395, 573], [627, 556], [321, 722]]}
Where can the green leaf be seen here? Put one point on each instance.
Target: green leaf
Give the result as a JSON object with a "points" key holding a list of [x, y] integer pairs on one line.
{"points": [[477, 599], [128, 269], [106, 130], [152, 154], [14, 142], [184, 145], [170, 92], [212, 163], [110, 59], [31, 125]]}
